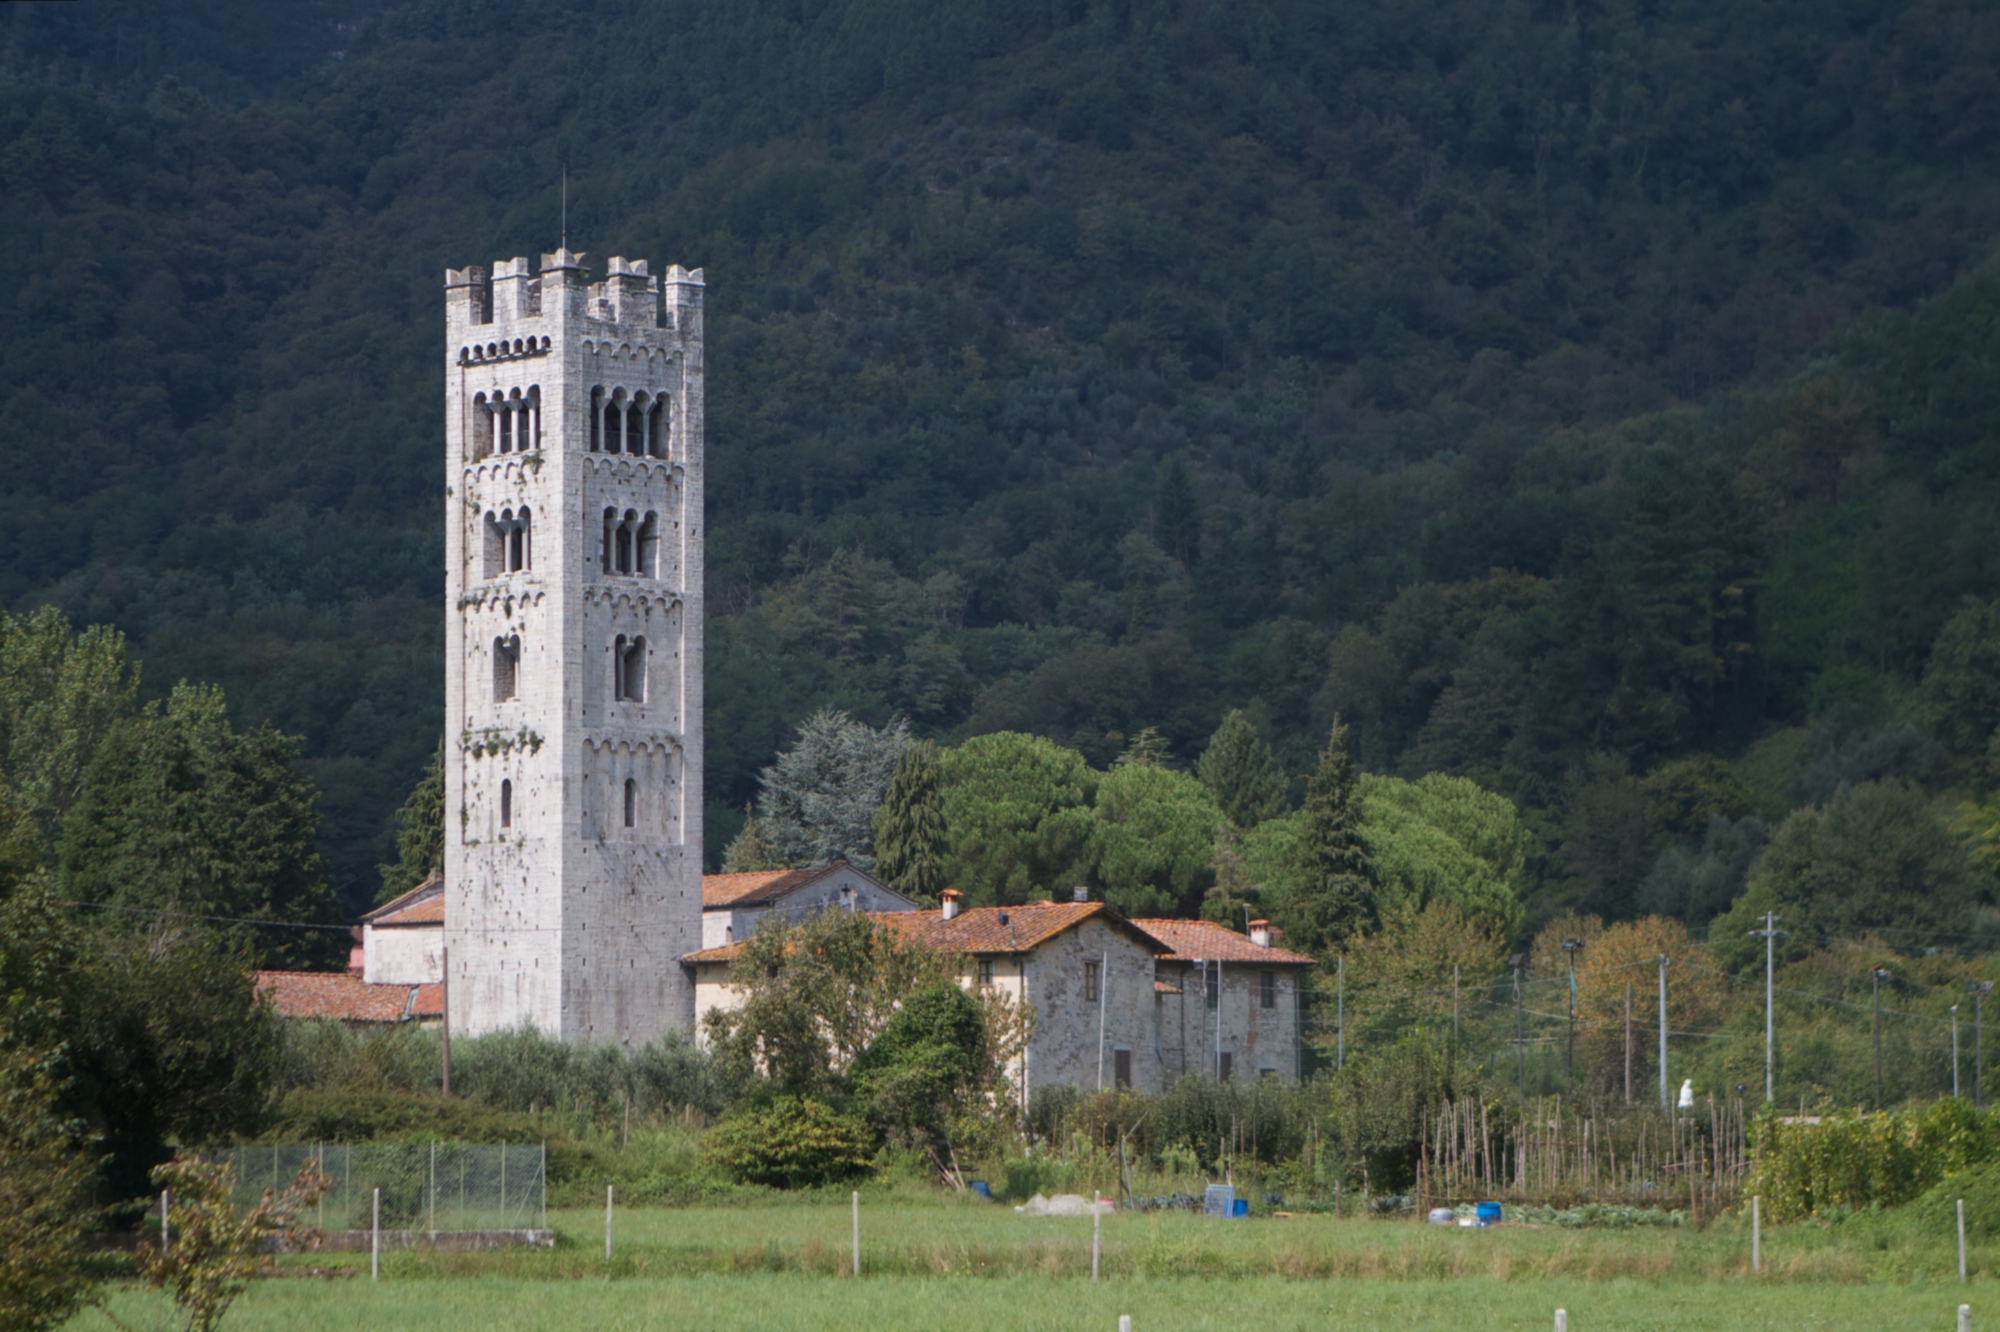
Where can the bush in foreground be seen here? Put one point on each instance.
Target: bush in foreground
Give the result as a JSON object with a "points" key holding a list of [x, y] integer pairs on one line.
{"points": [[791, 1142]]}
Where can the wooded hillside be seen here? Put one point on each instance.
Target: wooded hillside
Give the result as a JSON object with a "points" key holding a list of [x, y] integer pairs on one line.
{"points": [[1597, 401]]}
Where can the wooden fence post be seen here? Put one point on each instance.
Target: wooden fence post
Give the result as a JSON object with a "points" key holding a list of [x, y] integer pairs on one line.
{"points": [[375, 1239]]}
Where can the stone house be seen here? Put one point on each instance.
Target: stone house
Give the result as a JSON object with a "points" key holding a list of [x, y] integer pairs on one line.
{"points": [[1229, 1004], [402, 941], [732, 905], [1117, 1002]]}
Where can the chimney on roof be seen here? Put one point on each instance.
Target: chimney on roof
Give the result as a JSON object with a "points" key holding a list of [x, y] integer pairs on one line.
{"points": [[948, 901], [1260, 933], [1080, 894]]}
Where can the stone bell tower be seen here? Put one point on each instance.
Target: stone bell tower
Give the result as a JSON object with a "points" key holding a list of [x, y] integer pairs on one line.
{"points": [[573, 448]]}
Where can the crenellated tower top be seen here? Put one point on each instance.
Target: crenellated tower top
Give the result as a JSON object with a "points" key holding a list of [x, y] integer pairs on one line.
{"points": [[516, 299]]}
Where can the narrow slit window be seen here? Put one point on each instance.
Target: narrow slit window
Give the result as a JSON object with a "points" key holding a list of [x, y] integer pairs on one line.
{"points": [[1091, 981], [1267, 989], [597, 420], [631, 803], [1121, 1068], [629, 670], [1223, 1065], [506, 667], [1212, 979], [506, 804]]}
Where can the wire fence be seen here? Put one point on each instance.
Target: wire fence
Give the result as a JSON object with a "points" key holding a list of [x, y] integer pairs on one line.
{"points": [[437, 1187]]}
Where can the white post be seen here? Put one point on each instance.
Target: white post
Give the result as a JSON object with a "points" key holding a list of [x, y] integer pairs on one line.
{"points": [[1097, 1229], [166, 1224], [1756, 1233], [1562, 1320], [1666, 1105], [375, 1239], [1124, 1323], [607, 1221], [431, 1192], [857, 1232], [1961, 1241], [1964, 1318]]}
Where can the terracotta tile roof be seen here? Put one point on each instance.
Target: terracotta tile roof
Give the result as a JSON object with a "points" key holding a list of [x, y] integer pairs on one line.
{"points": [[1191, 940], [1019, 929], [333, 994], [720, 890], [422, 905], [429, 1001]]}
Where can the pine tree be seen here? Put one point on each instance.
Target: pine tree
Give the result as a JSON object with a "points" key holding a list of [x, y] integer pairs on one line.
{"points": [[1147, 749], [1238, 768], [419, 833], [1335, 900], [753, 848], [818, 800], [909, 828]]}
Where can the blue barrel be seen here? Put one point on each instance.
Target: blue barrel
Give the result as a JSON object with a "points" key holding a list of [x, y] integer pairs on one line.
{"points": [[1242, 1207], [1487, 1213]]}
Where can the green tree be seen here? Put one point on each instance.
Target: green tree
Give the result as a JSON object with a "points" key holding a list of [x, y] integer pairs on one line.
{"points": [[1961, 685], [1237, 767], [160, 1032], [419, 833], [45, 1178], [1877, 857], [909, 827], [62, 694], [790, 1142], [1147, 749], [1334, 900], [819, 799], [1445, 839], [1153, 839], [1017, 816], [927, 1068], [752, 849], [181, 812], [815, 994]]}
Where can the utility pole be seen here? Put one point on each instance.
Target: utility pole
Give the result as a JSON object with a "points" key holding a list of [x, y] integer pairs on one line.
{"points": [[444, 1027], [1769, 934], [1979, 989], [1572, 947], [1878, 975], [1664, 1106], [1628, 1042], [1520, 1032], [1954, 1052]]}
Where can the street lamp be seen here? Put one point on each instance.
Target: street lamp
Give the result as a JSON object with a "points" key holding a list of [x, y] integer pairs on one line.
{"points": [[1572, 947]]}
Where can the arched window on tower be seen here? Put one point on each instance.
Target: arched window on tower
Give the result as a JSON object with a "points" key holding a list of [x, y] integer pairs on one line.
{"points": [[597, 420], [510, 542], [506, 804], [635, 427], [622, 556], [479, 428], [657, 422], [631, 803], [649, 546], [508, 411], [614, 422], [506, 667], [628, 656]]}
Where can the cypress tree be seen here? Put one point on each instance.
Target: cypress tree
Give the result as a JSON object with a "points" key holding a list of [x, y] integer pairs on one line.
{"points": [[419, 833], [1239, 771], [1336, 897], [909, 827]]}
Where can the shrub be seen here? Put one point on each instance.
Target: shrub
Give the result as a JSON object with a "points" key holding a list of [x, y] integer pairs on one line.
{"points": [[791, 1142], [1850, 1161]]}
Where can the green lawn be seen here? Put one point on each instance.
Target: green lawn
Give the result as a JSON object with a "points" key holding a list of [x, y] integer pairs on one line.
{"points": [[941, 1264]]}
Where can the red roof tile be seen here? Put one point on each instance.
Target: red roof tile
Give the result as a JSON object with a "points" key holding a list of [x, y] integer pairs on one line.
{"points": [[1019, 929], [1204, 940], [333, 994], [720, 890], [429, 1001], [422, 905]]}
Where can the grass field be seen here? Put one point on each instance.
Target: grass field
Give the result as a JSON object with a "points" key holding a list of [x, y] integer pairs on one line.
{"points": [[944, 1264]]}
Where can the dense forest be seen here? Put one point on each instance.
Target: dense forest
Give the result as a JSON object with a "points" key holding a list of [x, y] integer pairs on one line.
{"points": [[1595, 401]]}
